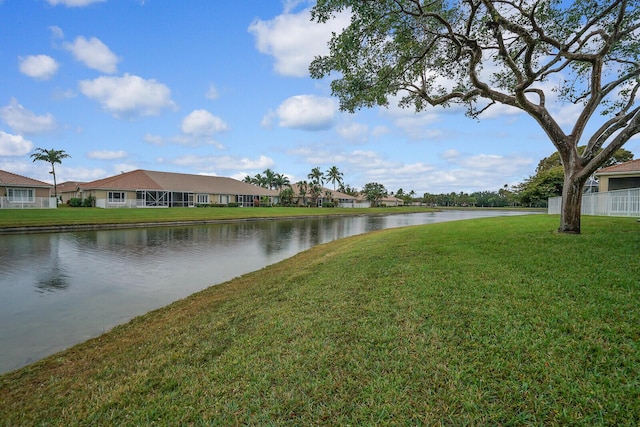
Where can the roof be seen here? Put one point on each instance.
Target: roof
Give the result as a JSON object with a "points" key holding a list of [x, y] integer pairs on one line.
{"points": [[630, 167], [68, 186], [14, 180], [169, 181]]}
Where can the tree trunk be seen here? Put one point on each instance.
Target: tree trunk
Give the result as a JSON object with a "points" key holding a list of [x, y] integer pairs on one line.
{"points": [[571, 205], [55, 184]]}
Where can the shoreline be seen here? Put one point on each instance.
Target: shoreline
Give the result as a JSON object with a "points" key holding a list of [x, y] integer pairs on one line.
{"points": [[116, 226]]}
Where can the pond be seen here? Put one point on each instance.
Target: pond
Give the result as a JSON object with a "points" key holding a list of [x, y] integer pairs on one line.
{"points": [[59, 289]]}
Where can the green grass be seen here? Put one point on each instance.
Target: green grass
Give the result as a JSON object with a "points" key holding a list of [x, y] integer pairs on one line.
{"points": [[66, 216], [496, 321]]}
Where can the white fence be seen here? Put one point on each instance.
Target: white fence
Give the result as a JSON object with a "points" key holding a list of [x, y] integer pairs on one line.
{"points": [[35, 203], [610, 203], [139, 203]]}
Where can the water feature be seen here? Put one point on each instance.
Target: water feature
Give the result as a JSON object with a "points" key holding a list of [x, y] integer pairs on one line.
{"points": [[59, 289]]}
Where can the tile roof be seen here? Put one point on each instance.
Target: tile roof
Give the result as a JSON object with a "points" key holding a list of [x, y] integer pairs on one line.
{"points": [[68, 186], [169, 181], [626, 167], [8, 178]]}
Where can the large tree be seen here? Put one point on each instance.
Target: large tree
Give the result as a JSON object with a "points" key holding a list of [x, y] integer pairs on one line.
{"points": [[334, 175], [373, 192], [316, 176], [50, 156], [478, 53]]}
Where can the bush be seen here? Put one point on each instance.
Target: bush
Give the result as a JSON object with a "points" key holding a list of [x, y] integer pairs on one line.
{"points": [[88, 202], [75, 202], [233, 205]]}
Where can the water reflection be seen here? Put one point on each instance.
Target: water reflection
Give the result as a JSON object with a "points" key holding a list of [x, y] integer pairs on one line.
{"points": [[62, 288]]}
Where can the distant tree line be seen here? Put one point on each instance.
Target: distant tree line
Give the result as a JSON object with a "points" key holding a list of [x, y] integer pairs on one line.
{"points": [[546, 182]]}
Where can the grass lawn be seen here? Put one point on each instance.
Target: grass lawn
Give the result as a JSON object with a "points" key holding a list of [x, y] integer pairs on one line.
{"points": [[497, 321], [94, 216]]}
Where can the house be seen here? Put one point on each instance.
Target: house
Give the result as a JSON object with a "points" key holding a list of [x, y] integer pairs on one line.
{"points": [[142, 188], [21, 192], [69, 190], [325, 196], [388, 201], [619, 177]]}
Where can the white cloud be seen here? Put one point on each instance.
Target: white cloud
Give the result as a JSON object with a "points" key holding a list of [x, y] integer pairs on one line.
{"points": [[493, 163], [41, 67], [73, 3], [14, 145], [24, 121], [56, 32], [107, 155], [124, 167], [451, 154], [294, 40], [94, 54], [354, 132], [415, 125], [153, 139], [207, 164], [365, 159], [128, 96], [203, 123], [212, 92], [380, 130], [81, 173], [307, 112], [319, 155]]}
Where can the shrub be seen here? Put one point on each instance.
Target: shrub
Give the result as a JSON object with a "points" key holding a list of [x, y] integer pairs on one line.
{"points": [[88, 202], [75, 202]]}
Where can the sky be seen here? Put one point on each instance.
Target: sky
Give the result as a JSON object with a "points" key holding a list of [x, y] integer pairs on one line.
{"points": [[222, 88]]}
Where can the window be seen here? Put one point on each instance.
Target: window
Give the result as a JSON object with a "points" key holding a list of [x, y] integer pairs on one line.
{"points": [[202, 199], [20, 195], [117, 197]]}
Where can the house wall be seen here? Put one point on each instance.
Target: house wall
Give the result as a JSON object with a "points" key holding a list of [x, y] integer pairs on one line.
{"points": [[102, 198], [611, 183], [42, 192], [37, 192], [624, 183], [221, 199]]}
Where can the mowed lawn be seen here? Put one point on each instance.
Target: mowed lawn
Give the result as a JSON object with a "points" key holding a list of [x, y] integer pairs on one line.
{"points": [[65, 216], [498, 321]]}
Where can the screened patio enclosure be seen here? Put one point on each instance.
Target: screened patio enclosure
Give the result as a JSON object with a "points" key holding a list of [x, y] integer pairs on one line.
{"points": [[152, 198]]}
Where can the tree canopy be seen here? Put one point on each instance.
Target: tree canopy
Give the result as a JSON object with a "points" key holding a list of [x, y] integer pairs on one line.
{"points": [[52, 157], [528, 55]]}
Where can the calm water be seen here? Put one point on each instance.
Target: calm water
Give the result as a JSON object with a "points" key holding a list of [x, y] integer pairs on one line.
{"points": [[60, 289]]}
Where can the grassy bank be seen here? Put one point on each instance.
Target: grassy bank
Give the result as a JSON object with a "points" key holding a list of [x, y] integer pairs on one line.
{"points": [[483, 322], [66, 216]]}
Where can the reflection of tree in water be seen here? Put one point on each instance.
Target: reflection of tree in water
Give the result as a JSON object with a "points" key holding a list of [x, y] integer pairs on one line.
{"points": [[275, 236], [52, 276], [56, 282]]}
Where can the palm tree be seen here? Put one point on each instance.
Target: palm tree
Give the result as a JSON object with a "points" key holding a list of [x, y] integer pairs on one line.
{"points": [[303, 188], [50, 156], [269, 177], [259, 180], [316, 176], [286, 196], [334, 175], [280, 181]]}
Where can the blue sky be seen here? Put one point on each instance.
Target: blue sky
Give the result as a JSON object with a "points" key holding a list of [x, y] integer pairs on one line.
{"points": [[222, 88]]}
